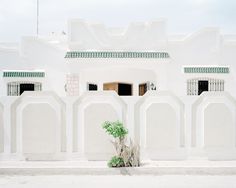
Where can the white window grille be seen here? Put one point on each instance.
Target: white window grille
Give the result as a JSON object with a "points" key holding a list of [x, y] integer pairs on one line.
{"points": [[13, 88], [213, 85]]}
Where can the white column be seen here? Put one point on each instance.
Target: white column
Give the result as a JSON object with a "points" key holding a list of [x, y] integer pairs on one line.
{"points": [[191, 87], [188, 89], [217, 85], [196, 87], [100, 86], [135, 89]]}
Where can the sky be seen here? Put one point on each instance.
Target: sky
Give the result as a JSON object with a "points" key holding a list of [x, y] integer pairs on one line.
{"points": [[18, 17]]}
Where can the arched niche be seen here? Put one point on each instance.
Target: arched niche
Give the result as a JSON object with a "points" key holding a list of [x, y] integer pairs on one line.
{"points": [[160, 129], [90, 111], [214, 125], [38, 129]]}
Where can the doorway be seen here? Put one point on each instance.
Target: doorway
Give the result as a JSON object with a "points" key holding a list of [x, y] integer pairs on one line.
{"points": [[202, 86], [123, 89], [26, 87]]}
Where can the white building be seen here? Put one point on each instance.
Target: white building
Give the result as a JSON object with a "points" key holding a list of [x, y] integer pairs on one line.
{"points": [[133, 58], [130, 61]]}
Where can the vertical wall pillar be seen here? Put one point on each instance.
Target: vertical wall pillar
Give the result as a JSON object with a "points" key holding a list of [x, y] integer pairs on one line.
{"points": [[100, 86], [135, 89]]}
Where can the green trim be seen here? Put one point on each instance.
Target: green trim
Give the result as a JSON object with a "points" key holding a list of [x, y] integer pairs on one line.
{"points": [[23, 74], [223, 70], [100, 54]]}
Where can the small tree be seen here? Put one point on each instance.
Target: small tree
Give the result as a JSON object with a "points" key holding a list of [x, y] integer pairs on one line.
{"points": [[126, 155]]}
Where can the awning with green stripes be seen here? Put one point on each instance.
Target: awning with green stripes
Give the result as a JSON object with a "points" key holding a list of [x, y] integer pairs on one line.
{"points": [[23, 74], [217, 69], [95, 54]]}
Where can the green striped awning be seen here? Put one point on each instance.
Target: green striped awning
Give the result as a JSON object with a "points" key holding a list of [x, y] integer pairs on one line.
{"points": [[217, 69], [23, 74], [101, 54]]}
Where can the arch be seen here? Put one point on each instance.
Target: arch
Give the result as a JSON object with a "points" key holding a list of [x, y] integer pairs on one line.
{"points": [[214, 125], [156, 120], [38, 129], [89, 112], [160, 129], [219, 128]]}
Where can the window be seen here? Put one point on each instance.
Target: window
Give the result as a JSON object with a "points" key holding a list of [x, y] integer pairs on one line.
{"points": [[142, 89], [196, 86], [26, 87], [92, 87], [202, 86], [17, 88], [123, 89]]}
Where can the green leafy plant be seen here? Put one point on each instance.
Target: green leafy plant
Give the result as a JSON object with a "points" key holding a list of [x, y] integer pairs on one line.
{"points": [[116, 129], [116, 162], [126, 155]]}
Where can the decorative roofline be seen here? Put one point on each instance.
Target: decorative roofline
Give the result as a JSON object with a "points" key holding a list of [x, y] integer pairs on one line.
{"points": [[102, 54], [218, 69], [24, 74]]}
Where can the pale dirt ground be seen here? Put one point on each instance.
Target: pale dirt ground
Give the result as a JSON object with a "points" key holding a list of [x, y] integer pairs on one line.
{"points": [[117, 181]]}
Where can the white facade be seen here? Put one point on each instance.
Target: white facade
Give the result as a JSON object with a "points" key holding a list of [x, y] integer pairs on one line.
{"points": [[170, 122], [208, 50]]}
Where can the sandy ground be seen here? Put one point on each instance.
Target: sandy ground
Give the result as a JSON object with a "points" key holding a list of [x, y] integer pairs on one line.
{"points": [[73, 181]]}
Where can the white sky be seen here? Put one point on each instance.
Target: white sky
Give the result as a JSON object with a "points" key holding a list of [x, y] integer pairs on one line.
{"points": [[18, 17]]}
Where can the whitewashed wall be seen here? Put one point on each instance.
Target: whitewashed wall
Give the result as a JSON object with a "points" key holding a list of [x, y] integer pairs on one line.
{"points": [[131, 70], [1, 129], [208, 47], [43, 126], [141, 36], [160, 126], [90, 111], [38, 126], [214, 125]]}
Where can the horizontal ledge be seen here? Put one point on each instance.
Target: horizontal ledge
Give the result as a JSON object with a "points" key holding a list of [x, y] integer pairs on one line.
{"points": [[98, 168]]}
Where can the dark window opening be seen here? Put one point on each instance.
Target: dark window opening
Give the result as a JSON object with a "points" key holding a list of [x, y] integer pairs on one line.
{"points": [[92, 87], [26, 87], [202, 86], [121, 88], [124, 89], [142, 89]]}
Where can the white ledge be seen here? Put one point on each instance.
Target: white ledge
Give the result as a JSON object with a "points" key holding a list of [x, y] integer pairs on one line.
{"points": [[100, 168]]}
